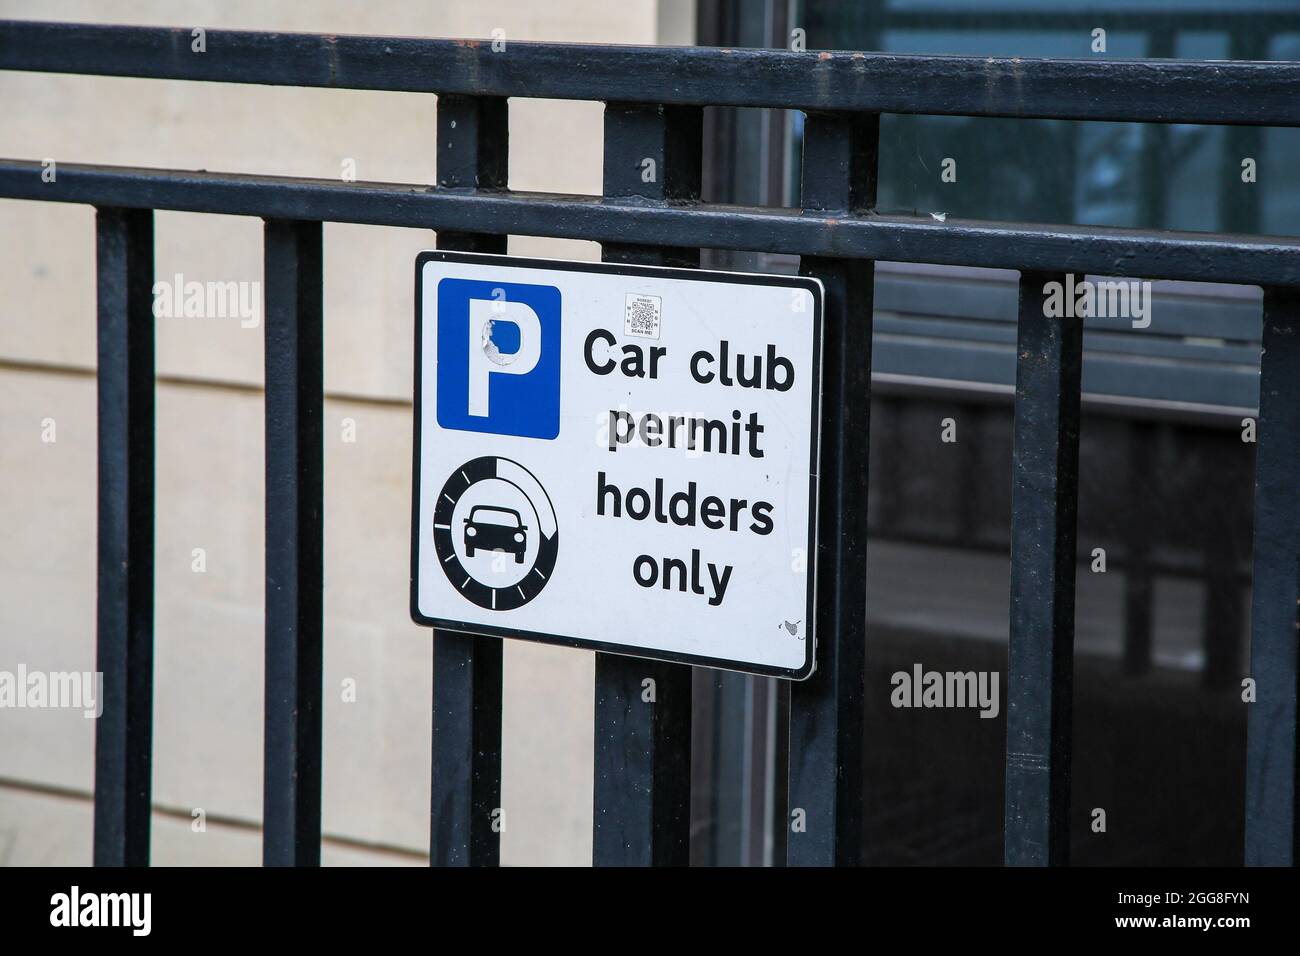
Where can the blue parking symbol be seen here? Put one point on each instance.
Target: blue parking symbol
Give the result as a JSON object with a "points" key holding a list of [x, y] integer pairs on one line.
{"points": [[499, 357]]}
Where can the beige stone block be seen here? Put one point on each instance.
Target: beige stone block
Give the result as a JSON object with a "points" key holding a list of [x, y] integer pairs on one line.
{"points": [[45, 829], [47, 274], [547, 753], [47, 565]]}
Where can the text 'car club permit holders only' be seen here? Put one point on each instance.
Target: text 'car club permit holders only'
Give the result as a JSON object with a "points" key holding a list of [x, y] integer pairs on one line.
{"points": [[619, 458]]}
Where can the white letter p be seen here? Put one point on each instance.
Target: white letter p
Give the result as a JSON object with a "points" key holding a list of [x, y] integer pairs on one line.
{"points": [[486, 360]]}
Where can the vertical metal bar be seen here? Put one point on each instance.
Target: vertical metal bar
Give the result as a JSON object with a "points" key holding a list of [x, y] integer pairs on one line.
{"points": [[827, 718], [291, 786], [1271, 834], [473, 153], [473, 149], [652, 153], [641, 792], [466, 775], [1044, 505], [124, 610]]}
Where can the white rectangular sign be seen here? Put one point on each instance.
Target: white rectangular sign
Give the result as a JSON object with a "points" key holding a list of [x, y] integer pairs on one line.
{"points": [[621, 458]]}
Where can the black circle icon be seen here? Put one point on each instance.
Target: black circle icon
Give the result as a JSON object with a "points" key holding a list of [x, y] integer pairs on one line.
{"points": [[495, 533]]}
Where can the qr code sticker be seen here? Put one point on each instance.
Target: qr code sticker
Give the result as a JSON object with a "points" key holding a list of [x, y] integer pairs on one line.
{"points": [[642, 314]]}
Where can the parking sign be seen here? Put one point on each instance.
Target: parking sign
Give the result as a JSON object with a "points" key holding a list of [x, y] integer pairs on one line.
{"points": [[619, 458], [499, 357]]}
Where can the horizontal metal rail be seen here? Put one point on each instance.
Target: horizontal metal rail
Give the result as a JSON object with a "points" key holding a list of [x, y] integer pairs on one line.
{"points": [[1147, 254], [1163, 91]]}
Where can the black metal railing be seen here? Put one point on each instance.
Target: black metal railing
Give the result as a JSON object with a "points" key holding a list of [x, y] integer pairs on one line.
{"points": [[654, 100]]}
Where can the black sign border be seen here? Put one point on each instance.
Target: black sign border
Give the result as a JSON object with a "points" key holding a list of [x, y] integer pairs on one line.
{"points": [[813, 286]]}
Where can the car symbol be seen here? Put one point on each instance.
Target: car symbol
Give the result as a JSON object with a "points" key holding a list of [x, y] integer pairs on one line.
{"points": [[489, 528]]}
